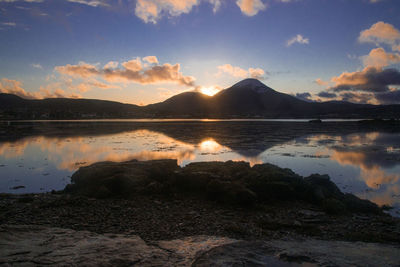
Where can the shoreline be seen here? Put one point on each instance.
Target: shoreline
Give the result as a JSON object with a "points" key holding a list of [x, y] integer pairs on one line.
{"points": [[155, 218], [158, 200]]}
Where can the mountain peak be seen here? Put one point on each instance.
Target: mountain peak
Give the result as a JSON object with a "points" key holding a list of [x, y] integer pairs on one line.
{"points": [[252, 84]]}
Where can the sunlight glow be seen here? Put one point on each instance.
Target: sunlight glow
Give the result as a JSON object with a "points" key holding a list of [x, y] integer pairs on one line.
{"points": [[210, 91], [210, 145]]}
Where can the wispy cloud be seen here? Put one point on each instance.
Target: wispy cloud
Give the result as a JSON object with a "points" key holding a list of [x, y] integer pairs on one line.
{"points": [[37, 66], [15, 87], [9, 24], [28, 1], [321, 82], [297, 39], [238, 72], [93, 3]]}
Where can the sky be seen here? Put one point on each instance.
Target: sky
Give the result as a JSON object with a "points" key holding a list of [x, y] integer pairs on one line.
{"points": [[144, 51]]}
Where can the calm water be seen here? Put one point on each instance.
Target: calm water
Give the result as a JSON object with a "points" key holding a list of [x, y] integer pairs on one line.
{"points": [[361, 160]]}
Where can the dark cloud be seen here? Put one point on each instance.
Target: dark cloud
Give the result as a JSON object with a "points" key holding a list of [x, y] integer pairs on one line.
{"points": [[326, 94], [304, 96], [391, 97], [357, 97], [370, 79]]}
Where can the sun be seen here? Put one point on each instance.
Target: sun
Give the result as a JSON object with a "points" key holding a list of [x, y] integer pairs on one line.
{"points": [[210, 91]]}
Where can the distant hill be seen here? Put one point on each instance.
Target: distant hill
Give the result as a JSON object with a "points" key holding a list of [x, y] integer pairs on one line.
{"points": [[247, 99], [12, 106]]}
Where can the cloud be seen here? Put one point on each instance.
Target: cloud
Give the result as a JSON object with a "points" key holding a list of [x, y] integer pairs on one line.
{"points": [[90, 85], [359, 97], [321, 82], [238, 72], [93, 3], [111, 65], [82, 70], [151, 59], [378, 57], [133, 65], [256, 73], [233, 71], [251, 7], [381, 33], [374, 84], [9, 24], [325, 94], [28, 1], [390, 97], [306, 96], [370, 79], [216, 5], [153, 10], [371, 85], [15, 87], [131, 71], [37, 66], [298, 39]]}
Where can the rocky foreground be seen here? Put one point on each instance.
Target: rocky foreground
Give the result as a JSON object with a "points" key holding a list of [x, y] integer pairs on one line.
{"points": [[35, 245], [214, 213]]}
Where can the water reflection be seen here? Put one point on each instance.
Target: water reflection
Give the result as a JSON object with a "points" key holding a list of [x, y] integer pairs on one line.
{"points": [[364, 163]]}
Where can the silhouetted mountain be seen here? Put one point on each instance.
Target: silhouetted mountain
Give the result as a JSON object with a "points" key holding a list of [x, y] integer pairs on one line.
{"points": [[63, 108], [252, 99], [188, 104], [247, 99]]}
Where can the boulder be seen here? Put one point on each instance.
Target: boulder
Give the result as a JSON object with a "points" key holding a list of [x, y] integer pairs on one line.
{"points": [[107, 179], [226, 182]]}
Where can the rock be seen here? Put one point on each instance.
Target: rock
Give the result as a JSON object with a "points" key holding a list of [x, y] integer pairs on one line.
{"points": [[308, 252], [228, 182], [355, 204], [271, 182], [334, 206], [230, 170], [322, 187], [230, 192], [120, 179], [35, 245]]}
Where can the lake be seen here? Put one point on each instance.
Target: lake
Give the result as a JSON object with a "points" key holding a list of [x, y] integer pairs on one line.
{"points": [[360, 158]]}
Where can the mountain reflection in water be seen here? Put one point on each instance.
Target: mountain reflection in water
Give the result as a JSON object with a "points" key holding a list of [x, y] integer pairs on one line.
{"points": [[365, 162]]}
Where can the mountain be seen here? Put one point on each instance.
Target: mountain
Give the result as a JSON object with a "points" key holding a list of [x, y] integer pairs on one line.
{"points": [[246, 99], [63, 108], [252, 99]]}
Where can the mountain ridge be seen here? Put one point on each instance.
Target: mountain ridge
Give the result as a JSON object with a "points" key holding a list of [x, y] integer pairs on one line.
{"points": [[248, 98]]}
